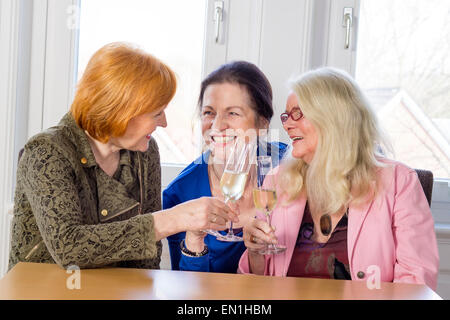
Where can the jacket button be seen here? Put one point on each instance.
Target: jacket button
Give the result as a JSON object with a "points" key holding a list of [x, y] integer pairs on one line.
{"points": [[83, 160], [104, 212], [360, 274]]}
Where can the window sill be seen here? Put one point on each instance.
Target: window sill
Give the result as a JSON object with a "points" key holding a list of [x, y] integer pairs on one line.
{"points": [[442, 230]]}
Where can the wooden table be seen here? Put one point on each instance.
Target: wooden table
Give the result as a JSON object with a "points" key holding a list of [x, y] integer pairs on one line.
{"points": [[48, 281]]}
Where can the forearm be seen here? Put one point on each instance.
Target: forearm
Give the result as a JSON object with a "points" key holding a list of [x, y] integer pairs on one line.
{"points": [[256, 263], [90, 246], [166, 223]]}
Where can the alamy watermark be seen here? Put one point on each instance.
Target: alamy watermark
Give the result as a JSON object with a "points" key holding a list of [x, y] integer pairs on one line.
{"points": [[374, 277], [73, 281], [73, 18]]}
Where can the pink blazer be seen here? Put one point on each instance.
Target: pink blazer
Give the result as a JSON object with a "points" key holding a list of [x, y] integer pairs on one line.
{"points": [[393, 234]]}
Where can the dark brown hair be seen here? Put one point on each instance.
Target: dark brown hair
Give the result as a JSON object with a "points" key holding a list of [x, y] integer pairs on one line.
{"points": [[249, 76]]}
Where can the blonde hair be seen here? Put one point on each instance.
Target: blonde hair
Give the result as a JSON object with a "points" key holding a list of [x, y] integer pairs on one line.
{"points": [[349, 139], [120, 82]]}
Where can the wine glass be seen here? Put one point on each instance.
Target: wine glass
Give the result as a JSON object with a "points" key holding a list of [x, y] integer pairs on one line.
{"points": [[265, 197], [234, 178]]}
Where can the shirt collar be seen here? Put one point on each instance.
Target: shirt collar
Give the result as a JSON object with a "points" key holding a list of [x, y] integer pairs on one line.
{"points": [[79, 138]]}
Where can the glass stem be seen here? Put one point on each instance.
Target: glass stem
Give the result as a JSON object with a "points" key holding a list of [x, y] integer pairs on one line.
{"points": [[268, 220], [230, 230]]}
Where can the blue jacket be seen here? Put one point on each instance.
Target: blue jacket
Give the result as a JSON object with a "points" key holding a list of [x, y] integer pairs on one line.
{"points": [[193, 183]]}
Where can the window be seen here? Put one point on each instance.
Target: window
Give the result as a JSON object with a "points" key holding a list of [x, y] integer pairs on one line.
{"points": [[171, 30], [402, 62]]}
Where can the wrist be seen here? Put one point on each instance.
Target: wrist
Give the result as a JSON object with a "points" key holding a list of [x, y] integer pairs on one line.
{"points": [[185, 251], [164, 224], [194, 242]]}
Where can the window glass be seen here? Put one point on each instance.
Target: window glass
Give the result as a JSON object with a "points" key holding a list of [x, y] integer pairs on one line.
{"points": [[171, 30], [403, 63]]}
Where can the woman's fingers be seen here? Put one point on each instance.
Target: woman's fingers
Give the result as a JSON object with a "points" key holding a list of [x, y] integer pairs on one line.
{"points": [[219, 214], [208, 213], [223, 210], [258, 234]]}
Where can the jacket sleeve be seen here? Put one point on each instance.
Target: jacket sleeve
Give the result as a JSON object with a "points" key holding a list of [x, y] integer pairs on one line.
{"points": [[170, 200], [244, 265], [417, 258], [49, 183]]}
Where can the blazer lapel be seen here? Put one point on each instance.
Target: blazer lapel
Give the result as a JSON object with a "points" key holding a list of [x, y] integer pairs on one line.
{"points": [[290, 220], [356, 217], [113, 198]]}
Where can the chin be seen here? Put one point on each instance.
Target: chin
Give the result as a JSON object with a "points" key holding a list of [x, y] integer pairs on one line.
{"points": [[298, 154], [141, 148], [220, 153]]}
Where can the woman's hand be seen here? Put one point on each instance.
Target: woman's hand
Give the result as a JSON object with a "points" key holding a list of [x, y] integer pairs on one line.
{"points": [[195, 215], [258, 234], [204, 213]]}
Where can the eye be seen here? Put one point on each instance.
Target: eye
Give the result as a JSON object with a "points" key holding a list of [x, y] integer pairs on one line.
{"points": [[207, 113], [234, 113]]}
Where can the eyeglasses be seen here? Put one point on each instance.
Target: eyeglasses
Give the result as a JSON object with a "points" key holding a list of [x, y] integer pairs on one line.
{"points": [[295, 114]]}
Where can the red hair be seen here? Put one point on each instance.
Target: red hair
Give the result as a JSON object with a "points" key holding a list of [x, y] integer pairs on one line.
{"points": [[120, 82]]}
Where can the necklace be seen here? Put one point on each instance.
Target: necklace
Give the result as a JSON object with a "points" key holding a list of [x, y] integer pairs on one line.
{"points": [[325, 224]]}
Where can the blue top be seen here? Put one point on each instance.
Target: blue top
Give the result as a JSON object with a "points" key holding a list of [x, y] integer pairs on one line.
{"points": [[193, 183]]}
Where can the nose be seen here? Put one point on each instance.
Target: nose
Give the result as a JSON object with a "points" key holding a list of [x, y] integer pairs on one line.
{"points": [[288, 124], [219, 123], [163, 121]]}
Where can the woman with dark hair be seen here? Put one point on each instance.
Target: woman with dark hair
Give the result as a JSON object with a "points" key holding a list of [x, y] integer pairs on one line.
{"points": [[235, 100]]}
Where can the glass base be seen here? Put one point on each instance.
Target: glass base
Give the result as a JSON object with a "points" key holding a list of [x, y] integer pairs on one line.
{"points": [[229, 238], [212, 232], [273, 249]]}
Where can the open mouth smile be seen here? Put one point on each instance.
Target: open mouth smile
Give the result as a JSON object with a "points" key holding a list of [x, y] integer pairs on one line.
{"points": [[222, 139], [294, 139]]}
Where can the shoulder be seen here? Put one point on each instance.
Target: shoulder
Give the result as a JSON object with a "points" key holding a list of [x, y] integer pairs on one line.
{"points": [[391, 168], [276, 150], [392, 174], [49, 145], [274, 147]]}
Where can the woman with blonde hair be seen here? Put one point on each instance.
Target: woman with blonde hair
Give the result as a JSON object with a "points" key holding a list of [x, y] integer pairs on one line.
{"points": [[344, 209], [88, 190]]}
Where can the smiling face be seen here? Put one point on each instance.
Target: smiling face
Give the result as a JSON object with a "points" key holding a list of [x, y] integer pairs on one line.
{"points": [[303, 135], [139, 130], [225, 114]]}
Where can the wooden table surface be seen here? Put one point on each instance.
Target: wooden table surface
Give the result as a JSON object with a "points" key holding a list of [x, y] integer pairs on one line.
{"points": [[49, 281]]}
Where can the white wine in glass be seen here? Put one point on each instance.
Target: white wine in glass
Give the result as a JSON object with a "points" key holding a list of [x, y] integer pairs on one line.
{"points": [[265, 198], [233, 185], [234, 178]]}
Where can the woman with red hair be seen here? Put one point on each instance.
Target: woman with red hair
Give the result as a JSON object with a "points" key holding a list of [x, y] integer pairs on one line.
{"points": [[88, 190]]}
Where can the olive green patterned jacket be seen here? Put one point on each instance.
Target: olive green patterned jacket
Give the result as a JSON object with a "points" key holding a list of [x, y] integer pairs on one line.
{"points": [[68, 211]]}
